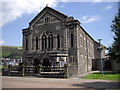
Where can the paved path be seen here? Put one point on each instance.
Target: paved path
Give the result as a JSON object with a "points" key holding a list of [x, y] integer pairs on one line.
{"points": [[27, 82], [86, 73]]}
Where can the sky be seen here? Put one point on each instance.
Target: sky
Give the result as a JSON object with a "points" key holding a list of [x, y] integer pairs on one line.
{"points": [[95, 17]]}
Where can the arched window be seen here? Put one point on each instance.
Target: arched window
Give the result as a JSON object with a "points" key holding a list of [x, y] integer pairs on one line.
{"points": [[47, 40], [58, 41], [72, 40], [36, 43], [32, 44], [26, 44], [50, 41], [44, 42], [47, 19]]}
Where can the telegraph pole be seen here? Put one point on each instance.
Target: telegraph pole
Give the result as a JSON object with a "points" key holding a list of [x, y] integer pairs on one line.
{"points": [[100, 49]]}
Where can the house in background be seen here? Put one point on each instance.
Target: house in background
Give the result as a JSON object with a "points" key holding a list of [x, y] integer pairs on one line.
{"points": [[55, 39]]}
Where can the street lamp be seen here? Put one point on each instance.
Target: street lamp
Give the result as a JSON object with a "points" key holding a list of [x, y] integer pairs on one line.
{"points": [[100, 49]]}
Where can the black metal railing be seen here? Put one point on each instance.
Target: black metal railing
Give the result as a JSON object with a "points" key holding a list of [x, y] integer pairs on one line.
{"points": [[40, 71]]}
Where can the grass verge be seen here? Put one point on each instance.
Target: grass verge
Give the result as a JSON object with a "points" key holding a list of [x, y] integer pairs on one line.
{"points": [[111, 75]]}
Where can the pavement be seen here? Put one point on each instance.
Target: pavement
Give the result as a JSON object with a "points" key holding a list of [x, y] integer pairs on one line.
{"points": [[32, 82]]}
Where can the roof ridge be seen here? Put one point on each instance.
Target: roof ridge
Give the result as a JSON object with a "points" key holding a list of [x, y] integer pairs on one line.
{"points": [[43, 10]]}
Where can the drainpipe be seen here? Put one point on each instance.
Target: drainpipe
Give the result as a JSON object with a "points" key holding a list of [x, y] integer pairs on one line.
{"points": [[100, 49]]}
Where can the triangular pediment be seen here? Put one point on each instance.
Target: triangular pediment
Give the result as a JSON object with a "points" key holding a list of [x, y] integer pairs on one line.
{"points": [[47, 12], [52, 17]]}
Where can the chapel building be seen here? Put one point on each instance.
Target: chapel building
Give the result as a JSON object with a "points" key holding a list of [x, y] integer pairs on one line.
{"points": [[55, 39]]}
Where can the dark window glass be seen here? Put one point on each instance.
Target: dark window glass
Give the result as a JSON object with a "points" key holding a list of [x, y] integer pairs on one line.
{"points": [[47, 19], [58, 41], [72, 40], [32, 44], [26, 44], [37, 43], [50, 41], [73, 59], [44, 42]]}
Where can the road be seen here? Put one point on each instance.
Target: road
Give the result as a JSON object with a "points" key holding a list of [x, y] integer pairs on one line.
{"points": [[32, 82]]}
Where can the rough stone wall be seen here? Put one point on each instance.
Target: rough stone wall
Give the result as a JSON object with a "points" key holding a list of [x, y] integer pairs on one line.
{"points": [[82, 51], [85, 51], [97, 52], [72, 71], [90, 49], [72, 50]]}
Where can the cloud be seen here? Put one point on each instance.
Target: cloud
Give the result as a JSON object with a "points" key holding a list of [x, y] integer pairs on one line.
{"points": [[89, 19], [97, 0], [108, 7], [2, 42], [62, 6], [12, 9], [85, 17]]}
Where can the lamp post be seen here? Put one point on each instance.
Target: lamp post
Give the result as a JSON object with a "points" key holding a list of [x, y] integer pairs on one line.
{"points": [[100, 49]]}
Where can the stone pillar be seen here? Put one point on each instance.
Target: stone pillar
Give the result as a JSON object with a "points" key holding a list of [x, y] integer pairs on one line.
{"points": [[9, 70], [39, 70], [66, 71], [23, 71]]}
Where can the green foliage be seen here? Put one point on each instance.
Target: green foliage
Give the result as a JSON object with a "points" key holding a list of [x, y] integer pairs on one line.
{"points": [[3, 67], [4, 54], [107, 76], [114, 50], [11, 52]]}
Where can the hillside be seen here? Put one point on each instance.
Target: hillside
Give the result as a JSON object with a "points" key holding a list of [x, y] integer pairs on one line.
{"points": [[11, 51]]}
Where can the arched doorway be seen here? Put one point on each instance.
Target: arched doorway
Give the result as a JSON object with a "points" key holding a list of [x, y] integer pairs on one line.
{"points": [[36, 62], [46, 62]]}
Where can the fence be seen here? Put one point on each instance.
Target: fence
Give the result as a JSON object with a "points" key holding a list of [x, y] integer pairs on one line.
{"points": [[39, 71]]}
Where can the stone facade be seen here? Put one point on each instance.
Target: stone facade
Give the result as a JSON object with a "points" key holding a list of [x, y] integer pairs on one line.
{"points": [[54, 39]]}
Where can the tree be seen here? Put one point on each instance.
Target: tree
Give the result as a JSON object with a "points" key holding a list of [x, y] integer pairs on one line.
{"points": [[114, 50]]}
